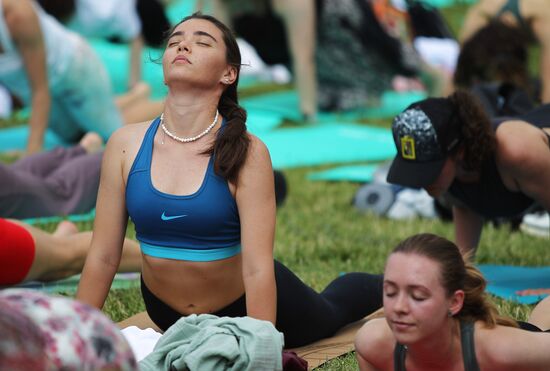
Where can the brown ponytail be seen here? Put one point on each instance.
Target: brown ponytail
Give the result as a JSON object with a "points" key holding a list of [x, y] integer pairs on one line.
{"points": [[231, 145], [478, 138], [477, 304]]}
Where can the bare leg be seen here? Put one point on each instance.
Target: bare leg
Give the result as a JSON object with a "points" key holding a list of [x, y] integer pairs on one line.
{"points": [[63, 253], [299, 20], [540, 316]]}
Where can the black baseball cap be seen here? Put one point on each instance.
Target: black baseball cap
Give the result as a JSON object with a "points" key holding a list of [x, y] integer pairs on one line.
{"points": [[424, 135]]}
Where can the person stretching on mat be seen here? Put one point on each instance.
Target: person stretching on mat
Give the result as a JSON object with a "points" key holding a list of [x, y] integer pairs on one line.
{"points": [[487, 168], [531, 17], [200, 191], [439, 317], [60, 181], [31, 254], [57, 74]]}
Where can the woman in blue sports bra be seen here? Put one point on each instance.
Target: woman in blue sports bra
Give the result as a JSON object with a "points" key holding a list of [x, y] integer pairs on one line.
{"points": [[200, 191], [532, 16], [439, 317]]}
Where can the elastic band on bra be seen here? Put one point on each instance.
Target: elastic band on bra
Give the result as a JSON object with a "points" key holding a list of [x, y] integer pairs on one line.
{"points": [[182, 253]]}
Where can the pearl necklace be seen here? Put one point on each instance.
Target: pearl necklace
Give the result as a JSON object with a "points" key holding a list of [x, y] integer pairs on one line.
{"points": [[190, 139]]}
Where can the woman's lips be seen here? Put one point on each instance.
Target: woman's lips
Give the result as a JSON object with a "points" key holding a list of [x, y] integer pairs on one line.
{"points": [[181, 58], [401, 326]]}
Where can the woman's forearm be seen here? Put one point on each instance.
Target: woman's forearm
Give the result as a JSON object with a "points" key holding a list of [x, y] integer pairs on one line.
{"points": [[95, 282], [261, 296], [468, 226], [38, 122]]}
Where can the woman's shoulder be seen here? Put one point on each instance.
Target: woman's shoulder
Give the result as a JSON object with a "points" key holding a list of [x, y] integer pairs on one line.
{"points": [[516, 140], [503, 347], [130, 132], [127, 139], [375, 342], [257, 149], [489, 8], [535, 8]]}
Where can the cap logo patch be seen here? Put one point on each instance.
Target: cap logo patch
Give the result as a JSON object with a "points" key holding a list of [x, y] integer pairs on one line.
{"points": [[407, 148]]}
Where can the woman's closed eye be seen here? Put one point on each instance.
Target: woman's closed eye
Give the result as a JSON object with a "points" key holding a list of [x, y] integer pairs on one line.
{"points": [[419, 296]]}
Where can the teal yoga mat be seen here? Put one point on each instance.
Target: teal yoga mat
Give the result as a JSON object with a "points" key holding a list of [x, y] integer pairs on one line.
{"points": [[504, 281], [328, 143], [87, 217], [69, 285], [285, 103], [352, 173], [447, 3], [179, 9], [15, 139], [259, 121]]}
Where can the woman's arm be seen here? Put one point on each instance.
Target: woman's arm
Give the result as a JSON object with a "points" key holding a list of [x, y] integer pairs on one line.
{"points": [[509, 348], [468, 226], [523, 157], [109, 226], [255, 197], [24, 27]]}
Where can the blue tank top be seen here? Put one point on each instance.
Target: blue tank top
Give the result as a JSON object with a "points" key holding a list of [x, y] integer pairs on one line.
{"points": [[203, 226]]}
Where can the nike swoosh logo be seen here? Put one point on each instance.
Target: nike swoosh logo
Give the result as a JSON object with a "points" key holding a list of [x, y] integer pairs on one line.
{"points": [[165, 217]]}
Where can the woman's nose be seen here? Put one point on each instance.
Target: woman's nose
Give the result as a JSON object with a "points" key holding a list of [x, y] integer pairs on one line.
{"points": [[183, 45], [400, 304]]}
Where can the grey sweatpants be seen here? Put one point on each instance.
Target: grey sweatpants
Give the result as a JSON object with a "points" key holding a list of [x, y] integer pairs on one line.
{"points": [[58, 182]]}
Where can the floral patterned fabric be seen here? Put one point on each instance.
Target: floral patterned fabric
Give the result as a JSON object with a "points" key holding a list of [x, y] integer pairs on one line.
{"points": [[59, 334]]}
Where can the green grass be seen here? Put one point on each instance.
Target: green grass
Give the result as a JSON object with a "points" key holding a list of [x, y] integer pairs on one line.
{"points": [[319, 234]]}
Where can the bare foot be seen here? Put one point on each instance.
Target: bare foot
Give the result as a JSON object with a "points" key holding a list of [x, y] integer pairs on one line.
{"points": [[530, 292], [92, 142], [65, 228], [141, 90]]}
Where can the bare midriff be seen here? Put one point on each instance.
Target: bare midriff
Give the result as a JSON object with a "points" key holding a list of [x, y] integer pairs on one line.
{"points": [[194, 287]]}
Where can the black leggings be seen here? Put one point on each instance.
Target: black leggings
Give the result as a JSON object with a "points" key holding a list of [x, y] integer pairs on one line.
{"points": [[303, 315], [530, 327]]}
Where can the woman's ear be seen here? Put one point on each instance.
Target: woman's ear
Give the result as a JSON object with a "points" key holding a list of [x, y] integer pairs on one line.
{"points": [[456, 302], [229, 76]]}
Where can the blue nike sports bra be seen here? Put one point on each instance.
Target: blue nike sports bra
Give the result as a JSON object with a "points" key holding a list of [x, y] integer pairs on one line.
{"points": [[203, 226]]}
